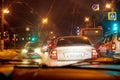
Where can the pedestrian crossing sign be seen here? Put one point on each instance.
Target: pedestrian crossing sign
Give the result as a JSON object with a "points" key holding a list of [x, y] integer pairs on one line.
{"points": [[112, 16]]}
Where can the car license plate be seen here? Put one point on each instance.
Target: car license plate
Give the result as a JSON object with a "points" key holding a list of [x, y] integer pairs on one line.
{"points": [[73, 55]]}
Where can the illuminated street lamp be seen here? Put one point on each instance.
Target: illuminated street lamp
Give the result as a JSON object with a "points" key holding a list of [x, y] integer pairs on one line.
{"points": [[27, 29], [51, 32], [87, 19], [108, 6], [44, 20], [3, 11]]}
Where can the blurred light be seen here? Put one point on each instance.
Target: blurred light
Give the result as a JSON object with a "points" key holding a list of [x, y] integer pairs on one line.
{"points": [[54, 36], [96, 31], [115, 28], [6, 11], [45, 47], [24, 51], [27, 29], [51, 32], [85, 38], [23, 38], [115, 25], [16, 39], [37, 50], [108, 5], [44, 20], [33, 38], [87, 19]]}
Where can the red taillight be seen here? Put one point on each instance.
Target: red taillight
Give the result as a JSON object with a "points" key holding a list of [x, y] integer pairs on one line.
{"points": [[53, 54], [94, 53], [50, 45], [113, 46]]}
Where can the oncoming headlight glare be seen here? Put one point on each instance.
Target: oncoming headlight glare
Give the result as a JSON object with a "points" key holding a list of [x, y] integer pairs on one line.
{"points": [[24, 51], [37, 50]]}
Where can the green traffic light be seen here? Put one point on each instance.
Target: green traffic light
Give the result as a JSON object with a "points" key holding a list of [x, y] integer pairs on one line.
{"points": [[33, 38], [115, 27]]}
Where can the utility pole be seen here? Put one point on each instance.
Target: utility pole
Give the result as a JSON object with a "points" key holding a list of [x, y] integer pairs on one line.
{"points": [[2, 26]]}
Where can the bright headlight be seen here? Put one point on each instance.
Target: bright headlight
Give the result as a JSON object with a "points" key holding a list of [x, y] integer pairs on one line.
{"points": [[37, 50], [24, 51]]}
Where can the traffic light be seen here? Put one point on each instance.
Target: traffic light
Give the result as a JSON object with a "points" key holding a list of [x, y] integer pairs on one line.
{"points": [[115, 27], [33, 38]]}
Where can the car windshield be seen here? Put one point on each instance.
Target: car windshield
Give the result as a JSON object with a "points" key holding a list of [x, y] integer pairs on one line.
{"points": [[32, 44], [72, 41], [57, 36]]}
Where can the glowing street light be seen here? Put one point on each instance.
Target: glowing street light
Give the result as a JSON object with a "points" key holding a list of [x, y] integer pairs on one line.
{"points": [[51, 32], [27, 29], [5, 11], [87, 19], [108, 6], [44, 20]]}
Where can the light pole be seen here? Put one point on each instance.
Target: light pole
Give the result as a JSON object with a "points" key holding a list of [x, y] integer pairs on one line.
{"points": [[3, 12], [43, 21]]}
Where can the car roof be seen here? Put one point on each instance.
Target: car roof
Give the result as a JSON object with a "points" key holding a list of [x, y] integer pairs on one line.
{"points": [[73, 37]]}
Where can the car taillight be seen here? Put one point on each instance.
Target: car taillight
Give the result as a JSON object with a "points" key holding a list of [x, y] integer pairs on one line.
{"points": [[50, 45], [53, 54], [113, 46], [94, 53]]}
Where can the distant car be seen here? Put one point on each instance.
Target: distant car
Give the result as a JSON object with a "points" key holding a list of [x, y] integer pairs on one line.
{"points": [[71, 49], [32, 50], [110, 46]]}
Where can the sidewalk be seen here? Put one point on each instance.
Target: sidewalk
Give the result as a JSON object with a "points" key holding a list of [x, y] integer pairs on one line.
{"points": [[9, 53]]}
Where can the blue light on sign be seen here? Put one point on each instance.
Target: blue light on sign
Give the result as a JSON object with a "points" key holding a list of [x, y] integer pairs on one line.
{"points": [[112, 16]]}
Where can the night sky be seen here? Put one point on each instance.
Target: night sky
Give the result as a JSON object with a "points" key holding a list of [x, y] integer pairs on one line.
{"points": [[64, 15]]}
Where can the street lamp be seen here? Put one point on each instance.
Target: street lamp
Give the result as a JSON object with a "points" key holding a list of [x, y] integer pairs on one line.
{"points": [[27, 29], [44, 20], [3, 11], [108, 5], [87, 19], [51, 32]]}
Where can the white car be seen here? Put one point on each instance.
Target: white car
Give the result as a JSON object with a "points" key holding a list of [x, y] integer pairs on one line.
{"points": [[70, 49]]}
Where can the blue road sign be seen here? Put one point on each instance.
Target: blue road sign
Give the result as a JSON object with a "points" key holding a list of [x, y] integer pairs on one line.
{"points": [[112, 16]]}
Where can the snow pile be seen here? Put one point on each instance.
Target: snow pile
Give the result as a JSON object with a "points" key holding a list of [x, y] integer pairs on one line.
{"points": [[8, 53]]}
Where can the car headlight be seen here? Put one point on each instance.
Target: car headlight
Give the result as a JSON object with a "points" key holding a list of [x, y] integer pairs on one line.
{"points": [[24, 51], [37, 50]]}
